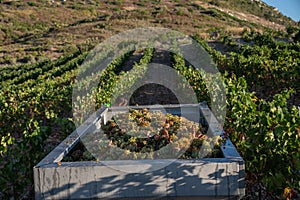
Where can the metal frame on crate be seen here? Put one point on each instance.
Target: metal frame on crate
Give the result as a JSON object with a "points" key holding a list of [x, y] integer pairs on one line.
{"points": [[218, 178]]}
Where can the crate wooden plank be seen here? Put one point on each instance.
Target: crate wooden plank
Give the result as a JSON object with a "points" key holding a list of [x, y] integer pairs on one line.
{"points": [[98, 180], [66, 145], [207, 178]]}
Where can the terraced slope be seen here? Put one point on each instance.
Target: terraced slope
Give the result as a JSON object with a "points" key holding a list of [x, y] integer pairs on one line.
{"points": [[36, 96], [34, 30]]}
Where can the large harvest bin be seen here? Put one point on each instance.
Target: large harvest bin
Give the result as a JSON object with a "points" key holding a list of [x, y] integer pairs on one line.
{"points": [[206, 178]]}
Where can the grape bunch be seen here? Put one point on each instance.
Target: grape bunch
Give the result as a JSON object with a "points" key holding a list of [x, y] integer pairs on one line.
{"points": [[141, 134]]}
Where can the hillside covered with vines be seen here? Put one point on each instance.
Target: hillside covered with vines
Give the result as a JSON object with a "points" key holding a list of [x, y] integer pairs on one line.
{"points": [[262, 84]]}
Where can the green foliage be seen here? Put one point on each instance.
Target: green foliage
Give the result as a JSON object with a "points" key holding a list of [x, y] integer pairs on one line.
{"points": [[115, 81], [35, 101], [194, 78], [179, 12], [33, 105], [266, 134], [31, 3], [266, 64], [296, 38]]}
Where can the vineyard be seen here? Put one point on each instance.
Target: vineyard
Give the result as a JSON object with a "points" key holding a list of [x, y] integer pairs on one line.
{"points": [[262, 118]]}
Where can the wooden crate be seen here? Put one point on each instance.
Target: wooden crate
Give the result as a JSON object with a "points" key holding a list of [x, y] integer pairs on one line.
{"points": [[206, 178]]}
